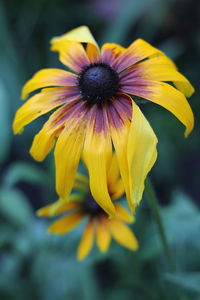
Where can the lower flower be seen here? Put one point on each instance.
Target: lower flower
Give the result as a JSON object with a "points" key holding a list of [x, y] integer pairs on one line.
{"points": [[80, 205]]}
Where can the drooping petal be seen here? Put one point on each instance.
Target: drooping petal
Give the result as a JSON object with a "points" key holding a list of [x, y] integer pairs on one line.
{"points": [[71, 54], [60, 206], [141, 152], [115, 184], [110, 54], [69, 148], [122, 234], [87, 241], [102, 235], [165, 95], [136, 52], [160, 68], [47, 78], [41, 103], [45, 139], [119, 114], [81, 34], [66, 224], [123, 215], [97, 154]]}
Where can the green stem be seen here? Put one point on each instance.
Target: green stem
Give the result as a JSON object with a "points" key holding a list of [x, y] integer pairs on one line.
{"points": [[156, 212]]}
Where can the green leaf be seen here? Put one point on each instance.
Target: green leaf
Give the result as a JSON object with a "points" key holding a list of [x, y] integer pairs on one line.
{"points": [[189, 281], [15, 206], [26, 172], [5, 121]]}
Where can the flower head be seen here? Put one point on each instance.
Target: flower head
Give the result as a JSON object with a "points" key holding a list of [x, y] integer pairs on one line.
{"points": [[95, 112], [81, 204]]}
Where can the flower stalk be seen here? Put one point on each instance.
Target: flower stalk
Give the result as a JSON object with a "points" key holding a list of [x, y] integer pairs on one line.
{"points": [[153, 201]]}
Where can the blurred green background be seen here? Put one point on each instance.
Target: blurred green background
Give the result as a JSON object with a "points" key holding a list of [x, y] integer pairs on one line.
{"points": [[35, 265]]}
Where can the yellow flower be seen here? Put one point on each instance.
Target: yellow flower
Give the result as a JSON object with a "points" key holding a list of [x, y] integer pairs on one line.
{"points": [[80, 205], [94, 112]]}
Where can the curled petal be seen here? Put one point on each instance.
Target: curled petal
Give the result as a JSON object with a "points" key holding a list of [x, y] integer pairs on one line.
{"points": [[141, 152], [81, 34], [87, 241], [49, 77], [71, 54]]}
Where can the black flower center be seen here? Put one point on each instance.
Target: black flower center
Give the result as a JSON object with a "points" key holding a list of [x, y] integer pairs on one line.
{"points": [[91, 207], [98, 82]]}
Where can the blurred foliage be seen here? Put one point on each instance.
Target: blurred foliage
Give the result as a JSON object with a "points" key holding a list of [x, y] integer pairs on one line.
{"points": [[35, 265]]}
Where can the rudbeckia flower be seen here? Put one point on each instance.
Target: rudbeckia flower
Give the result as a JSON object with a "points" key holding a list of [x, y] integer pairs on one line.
{"points": [[81, 205], [95, 113]]}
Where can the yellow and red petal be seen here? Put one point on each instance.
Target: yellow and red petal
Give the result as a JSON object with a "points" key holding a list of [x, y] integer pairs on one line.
{"points": [[110, 54], [136, 52], [48, 78], [71, 54], [66, 224], [87, 241], [123, 215], [122, 234], [69, 148], [159, 68], [103, 236], [81, 34], [119, 115], [165, 95], [45, 139], [41, 103], [142, 153], [97, 153]]}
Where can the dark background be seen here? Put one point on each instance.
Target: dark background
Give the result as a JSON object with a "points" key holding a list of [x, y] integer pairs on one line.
{"points": [[34, 265]]}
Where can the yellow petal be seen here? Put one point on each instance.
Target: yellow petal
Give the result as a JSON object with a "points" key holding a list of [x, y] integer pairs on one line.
{"points": [[120, 139], [115, 184], [162, 69], [67, 153], [136, 52], [141, 153], [45, 139], [110, 54], [103, 235], [38, 105], [122, 234], [97, 153], [87, 241], [60, 206], [66, 224], [80, 34], [48, 77], [123, 215], [71, 54]]}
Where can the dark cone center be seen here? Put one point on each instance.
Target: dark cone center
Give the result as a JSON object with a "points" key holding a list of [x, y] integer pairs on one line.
{"points": [[98, 82], [91, 207]]}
